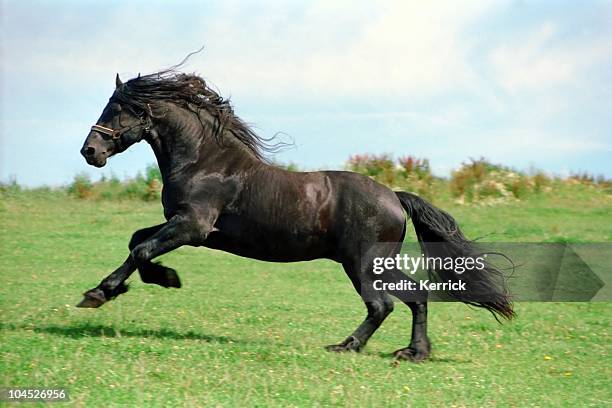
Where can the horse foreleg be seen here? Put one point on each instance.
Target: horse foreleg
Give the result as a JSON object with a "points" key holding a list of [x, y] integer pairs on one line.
{"points": [[112, 286], [177, 232]]}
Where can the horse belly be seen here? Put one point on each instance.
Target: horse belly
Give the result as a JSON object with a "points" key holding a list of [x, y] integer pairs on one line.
{"points": [[257, 242]]}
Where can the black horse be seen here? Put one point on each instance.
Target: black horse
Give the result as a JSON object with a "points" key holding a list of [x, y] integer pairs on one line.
{"points": [[219, 192]]}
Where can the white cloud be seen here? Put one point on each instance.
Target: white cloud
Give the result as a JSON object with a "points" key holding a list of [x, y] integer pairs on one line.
{"points": [[401, 48], [536, 143], [542, 59], [392, 48]]}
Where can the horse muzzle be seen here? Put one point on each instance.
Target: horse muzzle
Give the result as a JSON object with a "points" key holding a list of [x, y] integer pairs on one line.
{"points": [[94, 157]]}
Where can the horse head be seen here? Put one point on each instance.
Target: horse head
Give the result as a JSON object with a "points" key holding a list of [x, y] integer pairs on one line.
{"points": [[120, 126]]}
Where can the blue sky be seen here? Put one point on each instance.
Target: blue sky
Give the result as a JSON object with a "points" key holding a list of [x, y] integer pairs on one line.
{"points": [[523, 83]]}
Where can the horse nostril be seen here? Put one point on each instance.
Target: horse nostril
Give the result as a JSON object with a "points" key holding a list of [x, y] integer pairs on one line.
{"points": [[90, 151]]}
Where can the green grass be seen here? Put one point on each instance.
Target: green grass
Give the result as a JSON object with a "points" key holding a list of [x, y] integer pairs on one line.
{"points": [[247, 333]]}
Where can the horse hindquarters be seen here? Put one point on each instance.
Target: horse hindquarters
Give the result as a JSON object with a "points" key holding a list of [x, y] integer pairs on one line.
{"points": [[377, 216]]}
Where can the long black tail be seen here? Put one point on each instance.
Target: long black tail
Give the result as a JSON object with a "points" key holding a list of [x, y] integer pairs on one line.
{"points": [[440, 237]]}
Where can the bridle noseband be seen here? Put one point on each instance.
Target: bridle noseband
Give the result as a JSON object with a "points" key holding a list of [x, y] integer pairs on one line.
{"points": [[117, 133]]}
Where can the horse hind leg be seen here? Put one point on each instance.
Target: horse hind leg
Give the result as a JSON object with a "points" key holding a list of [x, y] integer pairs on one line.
{"points": [[379, 306], [420, 347]]}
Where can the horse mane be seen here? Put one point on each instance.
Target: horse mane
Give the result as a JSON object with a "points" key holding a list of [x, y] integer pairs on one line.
{"points": [[191, 92]]}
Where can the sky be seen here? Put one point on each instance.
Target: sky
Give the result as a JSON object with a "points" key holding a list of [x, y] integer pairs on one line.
{"points": [[523, 83]]}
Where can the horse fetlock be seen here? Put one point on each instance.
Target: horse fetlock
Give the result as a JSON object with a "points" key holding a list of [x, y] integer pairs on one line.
{"points": [[416, 352], [411, 354], [116, 291], [352, 343], [96, 297]]}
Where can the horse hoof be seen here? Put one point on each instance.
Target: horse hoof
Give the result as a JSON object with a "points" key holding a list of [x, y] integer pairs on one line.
{"points": [[92, 299], [172, 279], [411, 354], [350, 344]]}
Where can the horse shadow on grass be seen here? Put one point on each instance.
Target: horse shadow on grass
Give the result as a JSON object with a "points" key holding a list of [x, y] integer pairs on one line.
{"points": [[83, 330], [431, 359]]}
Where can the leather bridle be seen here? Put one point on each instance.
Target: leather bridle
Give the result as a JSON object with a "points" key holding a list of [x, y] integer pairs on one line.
{"points": [[117, 133]]}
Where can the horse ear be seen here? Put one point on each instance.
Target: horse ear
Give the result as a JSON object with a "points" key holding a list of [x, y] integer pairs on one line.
{"points": [[118, 82]]}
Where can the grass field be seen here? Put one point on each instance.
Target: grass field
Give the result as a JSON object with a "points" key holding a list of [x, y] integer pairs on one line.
{"points": [[247, 333]]}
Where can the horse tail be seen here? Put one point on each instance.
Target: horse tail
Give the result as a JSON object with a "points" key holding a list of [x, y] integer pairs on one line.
{"points": [[440, 237]]}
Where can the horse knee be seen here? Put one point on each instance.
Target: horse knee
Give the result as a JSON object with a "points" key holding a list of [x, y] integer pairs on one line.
{"points": [[136, 239], [141, 235], [140, 254]]}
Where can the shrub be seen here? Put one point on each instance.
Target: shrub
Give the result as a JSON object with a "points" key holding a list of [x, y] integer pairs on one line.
{"points": [[541, 182], [370, 164], [147, 187], [153, 181], [412, 165], [407, 173], [152, 173], [416, 176], [153, 191], [588, 179], [135, 188], [81, 187], [475, 181], [480, 180]]}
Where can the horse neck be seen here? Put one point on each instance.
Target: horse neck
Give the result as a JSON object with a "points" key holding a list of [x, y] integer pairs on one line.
{"points": [[179, 140]]}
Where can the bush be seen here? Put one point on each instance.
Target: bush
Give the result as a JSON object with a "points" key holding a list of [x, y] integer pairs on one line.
{"points": [[541, 182], [372, 165], [477, 181], [141, 187], [153, 181], [480, 180], [152, 173], [407, 173], [416, 176], [81, 187], [135, 188], [412, 165]]}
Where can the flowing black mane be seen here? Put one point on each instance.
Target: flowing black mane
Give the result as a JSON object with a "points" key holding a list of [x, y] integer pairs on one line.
{"points": [[191, 92]]}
